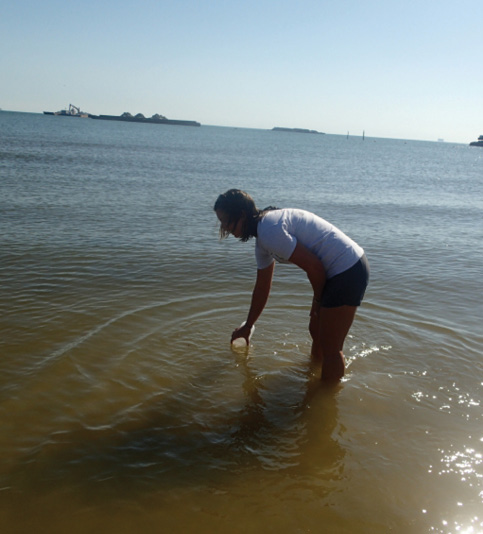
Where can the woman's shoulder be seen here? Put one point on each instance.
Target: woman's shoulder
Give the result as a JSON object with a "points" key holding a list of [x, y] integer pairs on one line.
{"points": [[273, 223], [274, 236], [279, 215], [271, 218]]}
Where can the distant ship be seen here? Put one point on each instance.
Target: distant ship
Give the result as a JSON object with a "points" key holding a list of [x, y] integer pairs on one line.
{"points": [[479, 142], [73, 111], [155, 119]]}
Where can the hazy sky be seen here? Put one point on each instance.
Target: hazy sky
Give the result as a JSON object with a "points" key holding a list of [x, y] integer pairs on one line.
{"points": [[405, 69]]}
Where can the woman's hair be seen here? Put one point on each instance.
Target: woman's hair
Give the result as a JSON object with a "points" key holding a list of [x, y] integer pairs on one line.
{"points": [[235, 204]]}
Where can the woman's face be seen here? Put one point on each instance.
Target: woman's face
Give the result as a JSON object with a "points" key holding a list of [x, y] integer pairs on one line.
{"points": [[234, 228]]}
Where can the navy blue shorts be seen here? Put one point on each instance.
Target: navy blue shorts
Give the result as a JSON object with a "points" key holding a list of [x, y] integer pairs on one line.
{"points": [[347, 288]]}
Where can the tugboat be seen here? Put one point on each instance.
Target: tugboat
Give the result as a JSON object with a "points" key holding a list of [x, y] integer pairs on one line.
{"points": [[73, 111], [479, 142]]}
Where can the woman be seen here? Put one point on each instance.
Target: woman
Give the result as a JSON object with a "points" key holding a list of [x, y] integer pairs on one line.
{"points": [[335, 265]]}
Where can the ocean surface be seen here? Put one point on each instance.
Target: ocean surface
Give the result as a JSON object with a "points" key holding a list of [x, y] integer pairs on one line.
{"points": [[122, 406]]}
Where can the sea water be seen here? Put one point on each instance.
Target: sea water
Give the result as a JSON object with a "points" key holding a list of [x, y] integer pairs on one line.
{"points": [[122, 406]]}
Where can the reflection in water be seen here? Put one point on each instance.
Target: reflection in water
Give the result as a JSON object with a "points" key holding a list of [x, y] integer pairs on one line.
{"points": [[287, 420], [282, 422]]}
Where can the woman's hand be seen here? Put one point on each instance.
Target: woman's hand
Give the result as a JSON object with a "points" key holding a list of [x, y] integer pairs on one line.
{"points": [[314, 319], [242, 331], [314, 311]]}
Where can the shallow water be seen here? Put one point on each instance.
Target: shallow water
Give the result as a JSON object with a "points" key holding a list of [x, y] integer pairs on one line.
{"points": [[123, 407]]}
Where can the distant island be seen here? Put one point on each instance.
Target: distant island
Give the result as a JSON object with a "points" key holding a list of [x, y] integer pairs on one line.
{"points": [[296, 130], [74, 111]]}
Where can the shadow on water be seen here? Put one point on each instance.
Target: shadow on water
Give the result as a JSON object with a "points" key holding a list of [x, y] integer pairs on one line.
{"points": [[161, 446]]}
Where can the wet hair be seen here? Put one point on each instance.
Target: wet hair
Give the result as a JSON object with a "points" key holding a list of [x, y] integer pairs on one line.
{"points": [[235, 204]]}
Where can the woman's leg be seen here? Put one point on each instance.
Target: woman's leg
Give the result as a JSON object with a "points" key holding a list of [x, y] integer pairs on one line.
{"points": [[328, 341]]}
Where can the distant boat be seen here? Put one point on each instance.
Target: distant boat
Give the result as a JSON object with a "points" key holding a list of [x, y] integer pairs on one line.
{"points": [[73, 111], [479, 142]]}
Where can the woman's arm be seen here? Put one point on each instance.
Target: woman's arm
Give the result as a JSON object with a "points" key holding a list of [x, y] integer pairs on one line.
{"points": [[260, 295], [310, 263]]}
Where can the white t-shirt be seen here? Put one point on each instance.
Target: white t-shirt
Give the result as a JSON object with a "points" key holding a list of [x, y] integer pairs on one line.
{"points": [[280, 230]]}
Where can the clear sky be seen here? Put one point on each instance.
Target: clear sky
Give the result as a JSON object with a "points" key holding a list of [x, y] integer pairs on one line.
{"points": [[408, 69]]}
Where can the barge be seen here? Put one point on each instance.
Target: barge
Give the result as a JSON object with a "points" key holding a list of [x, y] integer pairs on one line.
{"points": [[74, 111], [479, 142], [155, 119]]}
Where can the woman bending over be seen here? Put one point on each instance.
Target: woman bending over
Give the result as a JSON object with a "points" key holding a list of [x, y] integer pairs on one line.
{"points": [[335, 265]]}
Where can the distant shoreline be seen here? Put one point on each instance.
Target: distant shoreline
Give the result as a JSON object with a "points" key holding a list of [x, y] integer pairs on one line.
{"points": [[296, 130], [447, 142]]}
